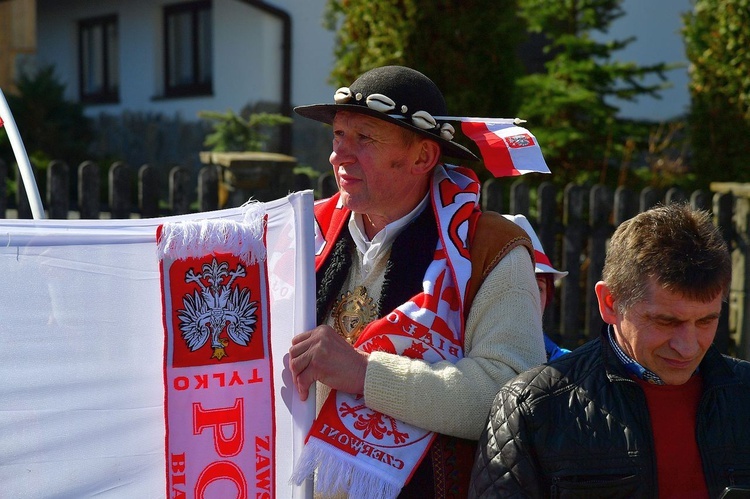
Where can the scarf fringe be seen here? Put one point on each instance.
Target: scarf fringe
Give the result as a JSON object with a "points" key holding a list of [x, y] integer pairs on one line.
{"points": [[194, 238], [340, 476]]}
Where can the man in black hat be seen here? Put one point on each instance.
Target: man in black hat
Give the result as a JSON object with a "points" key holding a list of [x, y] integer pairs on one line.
{"points": [[426, 306]]}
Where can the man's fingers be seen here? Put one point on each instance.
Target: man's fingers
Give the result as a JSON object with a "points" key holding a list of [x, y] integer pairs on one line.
{"points": [[317, 355], [302, 392], [302, 385], [299, 338], [299, 359]]}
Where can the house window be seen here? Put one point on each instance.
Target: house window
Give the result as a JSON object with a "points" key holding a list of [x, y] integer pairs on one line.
{"points": [[187, 49], [99, 77]]}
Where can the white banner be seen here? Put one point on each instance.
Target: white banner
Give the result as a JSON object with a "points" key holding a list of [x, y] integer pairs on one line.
{"points": [[82, 353]]}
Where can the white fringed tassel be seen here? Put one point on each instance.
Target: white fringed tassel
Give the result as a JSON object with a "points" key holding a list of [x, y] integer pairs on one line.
{"points": [[194, 238], [339, 475]]}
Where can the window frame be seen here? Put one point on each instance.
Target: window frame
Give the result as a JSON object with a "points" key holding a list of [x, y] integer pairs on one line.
{"points": [[110, 74], [195, 87]]}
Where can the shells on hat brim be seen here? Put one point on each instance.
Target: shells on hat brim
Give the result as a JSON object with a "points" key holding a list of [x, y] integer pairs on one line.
{"points": [[342, 95], [423, 120], [447, 131], [384, 104], [380, 102]]}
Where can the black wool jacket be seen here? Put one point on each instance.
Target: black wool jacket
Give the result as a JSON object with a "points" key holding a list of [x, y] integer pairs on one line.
{"points": [[580, 427]]}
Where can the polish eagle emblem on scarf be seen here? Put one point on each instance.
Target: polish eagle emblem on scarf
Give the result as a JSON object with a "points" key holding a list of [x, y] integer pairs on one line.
{"points": [[217, 309]]}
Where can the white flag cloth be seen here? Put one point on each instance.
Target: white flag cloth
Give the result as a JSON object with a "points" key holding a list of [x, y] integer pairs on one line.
{"points": [[507, 150], [82, 358]]}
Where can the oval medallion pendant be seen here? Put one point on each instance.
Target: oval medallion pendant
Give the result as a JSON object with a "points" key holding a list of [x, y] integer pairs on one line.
{"points": [[352, 312]]}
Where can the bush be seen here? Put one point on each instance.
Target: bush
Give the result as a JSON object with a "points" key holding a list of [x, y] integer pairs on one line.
{"points": [[49, 125], [234, 132]]}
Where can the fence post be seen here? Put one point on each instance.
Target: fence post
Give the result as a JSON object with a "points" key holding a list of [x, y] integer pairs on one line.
{"points": [[546, 220], [600, 208], [573, 201], [88, 190], [675, 195], [547, 229], [492, 196], [179, 190], [327, 184], [519, 198], [3, 188], [302, 182], [148, 191], [119, 190], [625, 207], [650, 197], [22, 200], [700, 200], [208, 188], [739, 304], [733, 312], [58, 190]]}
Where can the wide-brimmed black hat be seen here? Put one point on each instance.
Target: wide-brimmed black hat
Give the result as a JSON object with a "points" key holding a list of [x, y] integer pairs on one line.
{"points": [[398, 95]]}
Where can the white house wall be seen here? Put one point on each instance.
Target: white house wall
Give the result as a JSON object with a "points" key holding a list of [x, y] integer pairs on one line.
{"points": [[247, 66], [656, 26], [247, 53]]}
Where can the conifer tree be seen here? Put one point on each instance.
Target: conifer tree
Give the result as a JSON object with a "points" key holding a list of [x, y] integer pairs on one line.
{"points": [[717, 41], [568, 105], [468, 47]]}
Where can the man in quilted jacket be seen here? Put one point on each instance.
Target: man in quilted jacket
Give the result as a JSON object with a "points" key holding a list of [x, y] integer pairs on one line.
{"points": [[648, 409]]}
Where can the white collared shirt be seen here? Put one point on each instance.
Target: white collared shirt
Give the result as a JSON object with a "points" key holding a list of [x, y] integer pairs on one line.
{"points": [[372, 250]]}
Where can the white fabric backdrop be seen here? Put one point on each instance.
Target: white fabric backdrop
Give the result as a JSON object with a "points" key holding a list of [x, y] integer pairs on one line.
{"points": [[81, 352]]}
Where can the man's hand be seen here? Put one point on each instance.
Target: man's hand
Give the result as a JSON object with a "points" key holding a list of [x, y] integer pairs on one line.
{"points": [[322, 355]]}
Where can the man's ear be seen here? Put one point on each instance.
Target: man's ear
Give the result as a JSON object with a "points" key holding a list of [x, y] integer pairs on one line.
{"points": [[606, 303], [429, 155]]}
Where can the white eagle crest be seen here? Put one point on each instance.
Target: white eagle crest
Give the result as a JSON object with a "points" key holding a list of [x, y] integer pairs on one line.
{"points": [[217, 307]]}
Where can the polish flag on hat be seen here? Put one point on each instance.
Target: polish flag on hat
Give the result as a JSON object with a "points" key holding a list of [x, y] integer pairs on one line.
{"points": [[507, 150]]}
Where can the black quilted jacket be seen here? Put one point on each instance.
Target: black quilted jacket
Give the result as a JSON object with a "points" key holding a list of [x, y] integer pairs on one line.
{"points": [[550, 435]]}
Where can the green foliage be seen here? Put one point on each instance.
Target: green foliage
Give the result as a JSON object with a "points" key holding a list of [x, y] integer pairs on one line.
{"points": [[307, 170], [369, 34], [717, 43], [472, 58], [664, 163], [233, 132], [470, 49], [566, 106], [50, 126]]}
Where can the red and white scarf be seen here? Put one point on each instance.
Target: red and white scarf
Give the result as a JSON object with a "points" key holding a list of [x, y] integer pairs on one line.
{"points": [[219, 406], [353, 448]]}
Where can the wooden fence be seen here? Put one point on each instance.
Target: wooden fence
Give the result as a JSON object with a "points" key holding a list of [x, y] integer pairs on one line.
{"points": [[573, 225]]}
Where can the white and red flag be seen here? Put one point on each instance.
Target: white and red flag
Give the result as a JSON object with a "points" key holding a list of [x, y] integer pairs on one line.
{"points": [[507, 149], [93, 404]]}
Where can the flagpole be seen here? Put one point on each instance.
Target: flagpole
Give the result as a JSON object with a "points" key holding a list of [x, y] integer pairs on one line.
{"points": [[493, 121], [469, 119], [24, 167]]}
